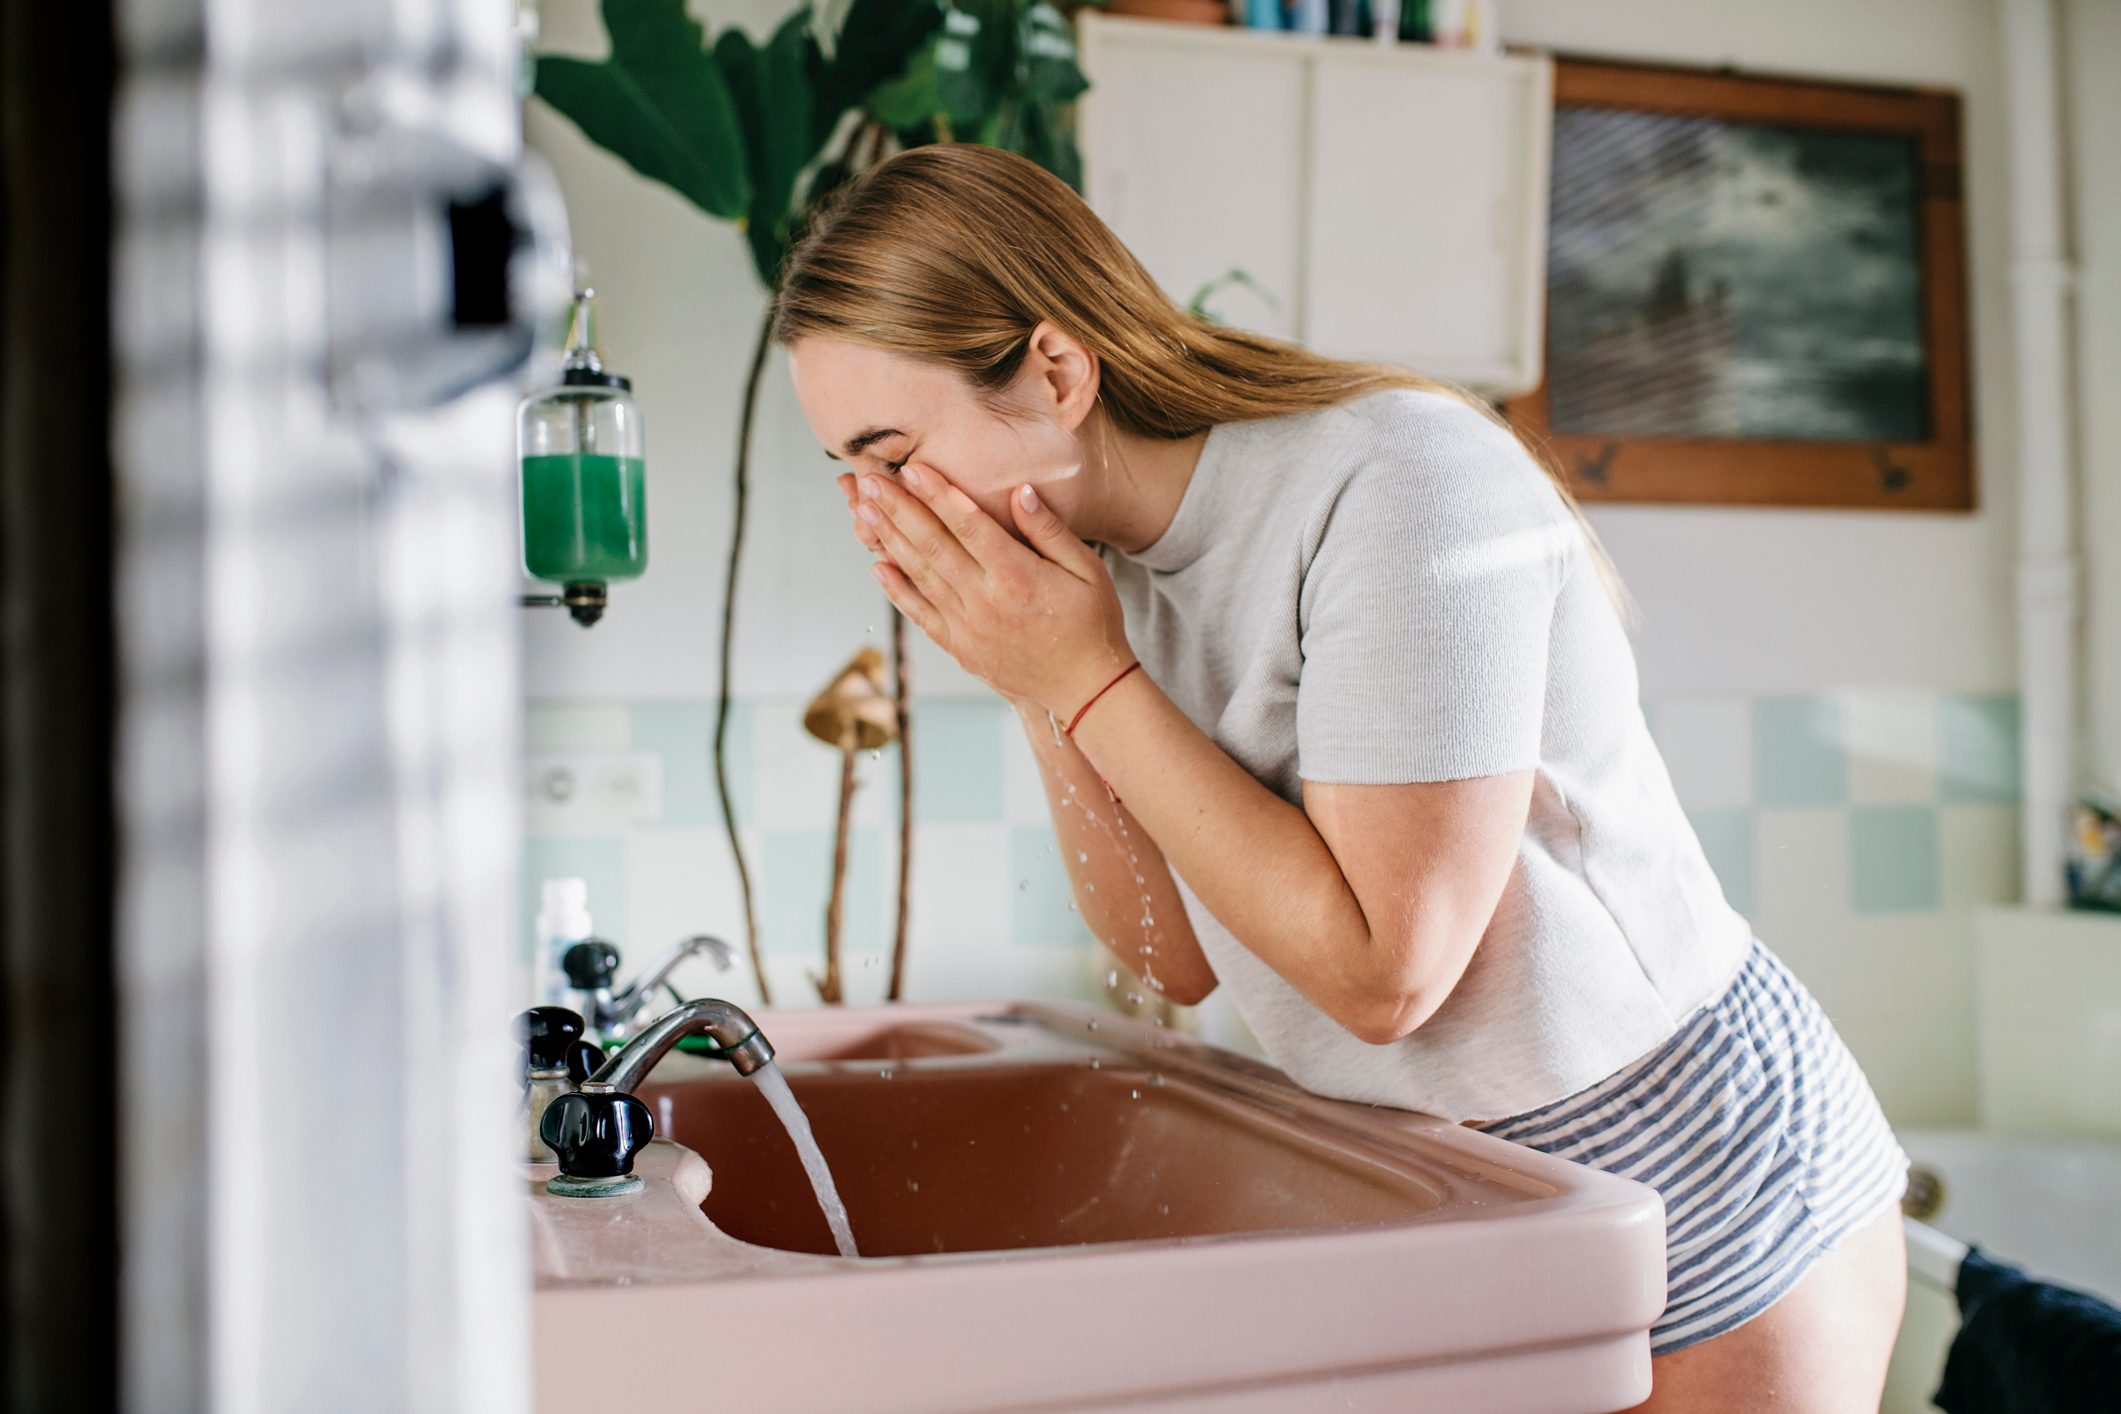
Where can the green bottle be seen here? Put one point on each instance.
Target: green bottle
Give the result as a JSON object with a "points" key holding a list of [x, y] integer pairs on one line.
{"points": [[583, 477]]}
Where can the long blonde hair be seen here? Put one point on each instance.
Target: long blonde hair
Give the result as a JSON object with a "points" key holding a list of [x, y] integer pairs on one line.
{"points": [[954, 252]]}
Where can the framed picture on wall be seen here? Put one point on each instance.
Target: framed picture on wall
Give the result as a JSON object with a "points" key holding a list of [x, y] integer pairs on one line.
{"points": [[1756, 292]]}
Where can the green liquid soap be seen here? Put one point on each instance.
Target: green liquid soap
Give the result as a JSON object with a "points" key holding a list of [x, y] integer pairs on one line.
{"points": [[582, 518]]}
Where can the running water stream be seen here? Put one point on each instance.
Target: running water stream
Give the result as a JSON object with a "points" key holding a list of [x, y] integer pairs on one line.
{"points": [[774, 1086]]}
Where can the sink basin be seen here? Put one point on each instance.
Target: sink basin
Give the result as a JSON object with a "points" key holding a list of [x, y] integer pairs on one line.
{"points": [[981, 1160], [1059, 1208]]}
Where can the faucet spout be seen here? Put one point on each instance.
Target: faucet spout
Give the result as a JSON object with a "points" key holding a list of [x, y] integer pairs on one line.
{"points": [[742, 1043], [636, 993]]}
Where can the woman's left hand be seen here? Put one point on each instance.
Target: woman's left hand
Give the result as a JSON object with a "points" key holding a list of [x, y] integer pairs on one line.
{"points": [[1040, 624]]}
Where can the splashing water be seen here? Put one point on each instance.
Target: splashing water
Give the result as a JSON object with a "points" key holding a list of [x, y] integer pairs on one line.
{"points": [[774, 1086]]}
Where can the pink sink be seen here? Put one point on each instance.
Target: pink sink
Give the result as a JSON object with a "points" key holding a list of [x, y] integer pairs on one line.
{"points": [[1176, 1227]]}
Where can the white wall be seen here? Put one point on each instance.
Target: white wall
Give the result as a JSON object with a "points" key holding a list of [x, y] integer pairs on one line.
{"points": [[1800, 601], [1735, 600], [2094, 35], [680, 307]]}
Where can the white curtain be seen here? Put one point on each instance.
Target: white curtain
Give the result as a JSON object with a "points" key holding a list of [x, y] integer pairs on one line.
{"points": [[317, 722]]}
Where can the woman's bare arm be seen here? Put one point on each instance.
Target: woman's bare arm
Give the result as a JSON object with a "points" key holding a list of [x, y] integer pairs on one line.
{"points": [[1106, 850]]}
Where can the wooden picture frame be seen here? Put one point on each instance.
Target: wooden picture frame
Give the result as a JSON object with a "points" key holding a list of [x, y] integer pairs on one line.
{"points": [[1780, 386]]}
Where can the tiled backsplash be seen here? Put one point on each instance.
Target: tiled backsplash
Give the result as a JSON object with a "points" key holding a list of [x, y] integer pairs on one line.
{"points": [[1858, 831]]}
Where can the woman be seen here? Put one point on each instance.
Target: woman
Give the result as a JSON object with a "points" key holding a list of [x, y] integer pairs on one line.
{"points": [[1335, 708]]}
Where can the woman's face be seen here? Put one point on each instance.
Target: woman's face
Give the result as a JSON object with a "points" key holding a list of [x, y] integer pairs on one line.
{"points": [[874, 410]]}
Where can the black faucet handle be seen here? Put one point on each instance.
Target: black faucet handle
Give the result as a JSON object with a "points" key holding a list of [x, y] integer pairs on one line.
{"points": [[591, 964], [583, 1058], [549, 1035], [596, 1133]]}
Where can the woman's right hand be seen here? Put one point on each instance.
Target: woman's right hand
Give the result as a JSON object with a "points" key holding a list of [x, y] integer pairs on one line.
{"points": [[868, 537]]}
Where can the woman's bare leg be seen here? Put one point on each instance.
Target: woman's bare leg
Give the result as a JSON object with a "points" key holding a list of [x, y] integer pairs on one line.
{"points": [[1821, 1349]]}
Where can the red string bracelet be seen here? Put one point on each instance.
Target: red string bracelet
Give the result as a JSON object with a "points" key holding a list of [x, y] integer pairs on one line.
{"points": [[1070, 728]]}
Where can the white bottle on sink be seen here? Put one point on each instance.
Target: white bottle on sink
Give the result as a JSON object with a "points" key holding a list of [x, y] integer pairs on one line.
{"points": [[563, 921]]}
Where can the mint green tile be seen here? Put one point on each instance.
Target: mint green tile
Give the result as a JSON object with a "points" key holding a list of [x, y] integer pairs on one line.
{"points": [[795, 881], [1800, 751], [1727, 839], [597, 860], [957, 760], [682, 733], [1895, 859], [1039, 892], [1978, 749]]}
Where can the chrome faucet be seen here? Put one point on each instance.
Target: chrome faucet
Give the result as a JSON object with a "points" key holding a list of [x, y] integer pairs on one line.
{"points": [[615, 1013], [596, 1129]]}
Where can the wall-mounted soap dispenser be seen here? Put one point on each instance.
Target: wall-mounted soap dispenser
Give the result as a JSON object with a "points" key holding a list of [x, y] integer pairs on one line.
{"points": [[579, 443]]}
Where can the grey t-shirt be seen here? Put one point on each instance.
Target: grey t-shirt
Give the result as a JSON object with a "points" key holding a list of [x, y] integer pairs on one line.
{"points": [[1388, 590]]}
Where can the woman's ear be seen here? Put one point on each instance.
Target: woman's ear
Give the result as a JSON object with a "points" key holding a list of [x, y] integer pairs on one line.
{"points": [[1067, 373]]}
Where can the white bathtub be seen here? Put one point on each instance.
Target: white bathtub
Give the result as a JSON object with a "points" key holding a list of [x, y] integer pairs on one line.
{"points": [[2053, 1206]]}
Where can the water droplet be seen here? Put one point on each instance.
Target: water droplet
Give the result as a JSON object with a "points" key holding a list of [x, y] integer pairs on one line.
{"points": [[1093, 1063], [1093, 1026], [1134, 999], [1091, 887], [1156, 1077], [1071, 905], [1081, 857], [914, 1184], [1135, 1093], [1023, 883], [1064, 1107], [1139, 879], [1112, 977], [884, 1074], [1157, 1019]]}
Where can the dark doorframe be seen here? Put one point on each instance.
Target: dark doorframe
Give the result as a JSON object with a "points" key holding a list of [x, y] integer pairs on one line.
{"points": [[59, 1114]]}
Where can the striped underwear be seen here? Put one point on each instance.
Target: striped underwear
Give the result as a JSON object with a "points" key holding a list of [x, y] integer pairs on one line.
{"points": [[1759, 1131]]}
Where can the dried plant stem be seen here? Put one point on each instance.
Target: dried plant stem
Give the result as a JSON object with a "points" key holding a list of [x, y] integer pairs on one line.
{"points": [[721, 712], [902, 699], [736, 557], [829, 987]]}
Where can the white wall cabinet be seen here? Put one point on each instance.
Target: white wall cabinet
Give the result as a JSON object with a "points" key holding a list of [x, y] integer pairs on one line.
{"points": [[1390, 198]]}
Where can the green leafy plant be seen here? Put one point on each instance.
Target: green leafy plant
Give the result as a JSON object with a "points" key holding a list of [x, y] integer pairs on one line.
{"points": [[755, 134]]}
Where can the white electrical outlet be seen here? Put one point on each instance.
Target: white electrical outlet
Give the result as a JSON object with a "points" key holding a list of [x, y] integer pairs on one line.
{"points": [[592, 792]]}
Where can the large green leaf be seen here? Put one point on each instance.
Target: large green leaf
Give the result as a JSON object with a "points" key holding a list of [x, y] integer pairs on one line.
{"points": [[975, 62], [911, 99], [1050, 71], [877, 42], [659, 103], [772, 89]]}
